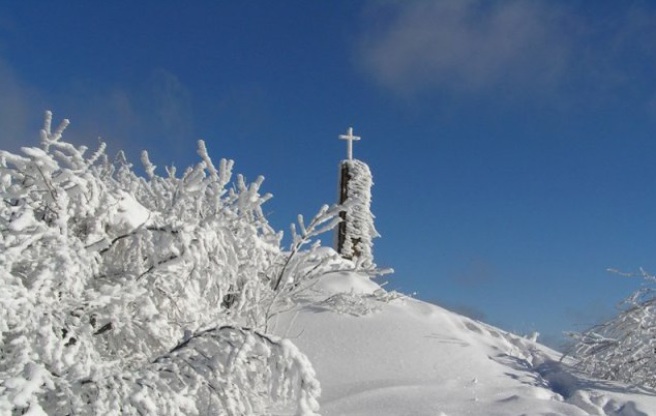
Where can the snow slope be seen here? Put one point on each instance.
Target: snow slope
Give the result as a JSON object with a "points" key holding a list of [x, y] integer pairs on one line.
{"points": [[377, 356]]}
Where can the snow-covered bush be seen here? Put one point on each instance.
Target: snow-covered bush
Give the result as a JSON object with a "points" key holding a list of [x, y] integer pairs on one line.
{"points": [[123, 294], [623, 348], [358, 304]]}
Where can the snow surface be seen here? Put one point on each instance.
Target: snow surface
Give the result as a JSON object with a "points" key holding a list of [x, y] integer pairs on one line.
{"points": [[407, 357]]}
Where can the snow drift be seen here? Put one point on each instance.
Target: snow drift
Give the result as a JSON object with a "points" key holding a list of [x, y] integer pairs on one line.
{"points": [[395, 355]]}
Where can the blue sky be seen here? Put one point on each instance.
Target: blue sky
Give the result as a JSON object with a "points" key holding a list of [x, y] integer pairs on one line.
{"points": [[511, 142]]}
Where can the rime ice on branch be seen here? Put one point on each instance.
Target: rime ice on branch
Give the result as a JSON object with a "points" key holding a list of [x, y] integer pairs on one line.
{"points": [[132, 295], [356, 232]]}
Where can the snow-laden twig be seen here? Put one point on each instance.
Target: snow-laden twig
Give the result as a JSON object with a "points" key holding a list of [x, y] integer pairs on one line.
{"points": [[624, 347], [325, 220], [103, 270]]}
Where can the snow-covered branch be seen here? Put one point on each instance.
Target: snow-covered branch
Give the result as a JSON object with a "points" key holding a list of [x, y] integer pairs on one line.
{"points": [[103, 271], [623, 348]]}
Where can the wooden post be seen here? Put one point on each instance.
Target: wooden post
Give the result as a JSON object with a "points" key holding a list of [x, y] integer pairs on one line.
{"points": [[345, 177]]}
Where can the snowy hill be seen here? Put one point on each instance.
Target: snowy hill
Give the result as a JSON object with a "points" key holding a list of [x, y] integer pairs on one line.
{"points": [[407, 357], [163, 295]]}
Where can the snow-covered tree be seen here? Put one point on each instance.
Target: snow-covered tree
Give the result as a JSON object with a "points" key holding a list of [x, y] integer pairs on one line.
{"points": [[124, 294], [623, 348]]}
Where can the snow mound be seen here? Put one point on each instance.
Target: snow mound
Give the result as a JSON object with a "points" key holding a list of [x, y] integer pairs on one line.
{"points": [[407, 357], [345, 282]]}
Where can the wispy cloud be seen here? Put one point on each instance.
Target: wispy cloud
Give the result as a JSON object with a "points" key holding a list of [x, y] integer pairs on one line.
{"points": [[159, 109], [465, 44], [171, 101], [475, 272], [16, 104], [473, 46]]}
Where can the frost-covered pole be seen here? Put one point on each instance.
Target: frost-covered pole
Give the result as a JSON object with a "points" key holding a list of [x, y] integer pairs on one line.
{"points": [[355, 233]]}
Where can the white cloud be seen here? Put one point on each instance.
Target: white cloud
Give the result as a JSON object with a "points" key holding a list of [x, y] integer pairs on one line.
{"points": [[16, 105], [464, 44], [131, 116], [515, 46], [475, 272], [128, 117], [171, 101]]}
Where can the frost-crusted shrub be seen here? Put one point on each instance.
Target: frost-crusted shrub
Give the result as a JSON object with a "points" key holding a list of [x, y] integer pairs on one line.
{"points": [[623, 348], [358, 304], [220, 371], [103, 272], [348, 303]]}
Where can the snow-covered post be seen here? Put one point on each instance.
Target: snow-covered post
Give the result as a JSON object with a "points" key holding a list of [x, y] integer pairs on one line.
{"points": [[356, 232]]}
